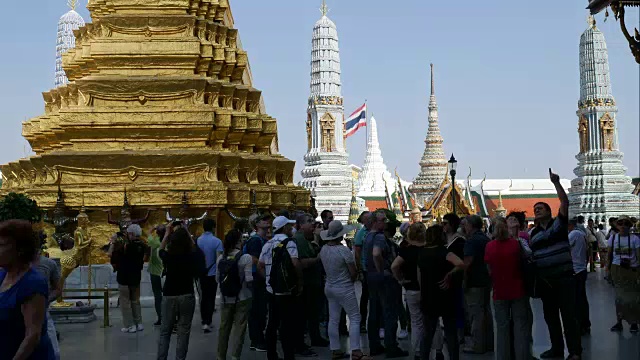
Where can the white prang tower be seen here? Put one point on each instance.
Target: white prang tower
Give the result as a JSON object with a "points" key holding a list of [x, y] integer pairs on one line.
{"points": [[374, 173], [326, 172], [601, 189], [65, 39]]}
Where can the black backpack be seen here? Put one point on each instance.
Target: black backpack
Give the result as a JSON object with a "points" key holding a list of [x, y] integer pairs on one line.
{"points": [[283, 278], [230, 282]]}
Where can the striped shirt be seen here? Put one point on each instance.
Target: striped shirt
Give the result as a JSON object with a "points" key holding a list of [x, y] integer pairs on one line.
{"points": [[551, 249]]}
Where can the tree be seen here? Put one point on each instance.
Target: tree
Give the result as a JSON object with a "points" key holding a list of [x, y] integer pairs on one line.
{"points": [[19, 206]]}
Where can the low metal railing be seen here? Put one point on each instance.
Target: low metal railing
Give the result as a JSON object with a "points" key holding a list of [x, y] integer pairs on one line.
{"points": [[106, 292]]}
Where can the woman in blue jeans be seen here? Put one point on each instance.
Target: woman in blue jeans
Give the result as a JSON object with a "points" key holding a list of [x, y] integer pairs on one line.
{"points": [[182, 265]]}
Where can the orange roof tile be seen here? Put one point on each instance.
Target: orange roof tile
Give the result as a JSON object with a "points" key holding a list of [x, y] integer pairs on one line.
{"points": [[375, 204], [525, 204]]}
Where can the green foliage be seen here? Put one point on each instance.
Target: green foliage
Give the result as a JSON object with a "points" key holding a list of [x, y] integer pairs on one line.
{"points": [[19, 206]]}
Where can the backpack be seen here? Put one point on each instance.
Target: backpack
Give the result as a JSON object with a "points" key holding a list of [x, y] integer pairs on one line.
{"points": [[283, 278], [230, 282]]}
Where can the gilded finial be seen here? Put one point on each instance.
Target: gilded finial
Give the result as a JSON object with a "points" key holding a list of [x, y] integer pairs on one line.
{"points": [[591, 21], [83, 210], [72, 4], [324, 9], [433, 86]]}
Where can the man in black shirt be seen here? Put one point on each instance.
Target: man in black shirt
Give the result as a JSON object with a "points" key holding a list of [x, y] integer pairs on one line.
{"points": [[478, 288], [128, 260]]}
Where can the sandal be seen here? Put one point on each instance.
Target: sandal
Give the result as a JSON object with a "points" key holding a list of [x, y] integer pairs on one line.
{"points": [[339, 354], [358, 355]]}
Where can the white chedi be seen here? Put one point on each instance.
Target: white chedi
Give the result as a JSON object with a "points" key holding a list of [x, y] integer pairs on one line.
{"points": [[601, 189], [66, 39]]}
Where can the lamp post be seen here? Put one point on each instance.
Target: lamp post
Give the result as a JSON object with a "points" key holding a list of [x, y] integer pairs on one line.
{"points": [[453, 163]]}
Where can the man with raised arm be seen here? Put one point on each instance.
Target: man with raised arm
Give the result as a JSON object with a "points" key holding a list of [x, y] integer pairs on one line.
{"points": [[554, 271]]}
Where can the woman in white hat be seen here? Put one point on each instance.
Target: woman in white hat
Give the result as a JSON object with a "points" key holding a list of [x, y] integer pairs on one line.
{"points": [[339, 265]]}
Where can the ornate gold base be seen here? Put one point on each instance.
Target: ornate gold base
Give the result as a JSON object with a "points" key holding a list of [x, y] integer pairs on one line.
{"points": [[62, 304]]}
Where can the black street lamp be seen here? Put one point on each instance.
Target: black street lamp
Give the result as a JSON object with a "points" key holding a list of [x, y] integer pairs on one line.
{"points": [[453, 163]]}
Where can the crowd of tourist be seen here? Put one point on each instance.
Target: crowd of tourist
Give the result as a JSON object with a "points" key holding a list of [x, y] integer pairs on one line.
{"points": [[292, 279]]}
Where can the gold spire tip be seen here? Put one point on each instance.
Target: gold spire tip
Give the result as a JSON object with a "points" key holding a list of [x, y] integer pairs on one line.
{"points": [[591, 21], [72, 4], [324, 9]]}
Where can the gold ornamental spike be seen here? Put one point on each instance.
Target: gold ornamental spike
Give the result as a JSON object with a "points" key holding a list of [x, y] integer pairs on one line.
{"points": [[72, 4], [323, 9]]}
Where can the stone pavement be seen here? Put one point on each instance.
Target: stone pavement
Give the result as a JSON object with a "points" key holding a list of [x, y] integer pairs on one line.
{"points": [[90, 341]]}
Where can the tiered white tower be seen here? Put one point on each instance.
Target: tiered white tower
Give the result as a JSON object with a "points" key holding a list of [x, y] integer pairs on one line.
{"points": [[66, 40], [327, 173], [374, 173], [433, 165], [601, 189]]}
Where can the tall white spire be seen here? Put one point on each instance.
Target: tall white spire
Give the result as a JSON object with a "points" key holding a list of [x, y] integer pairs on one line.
{"points": [[65, 39], [433, 165], [601, 189], [327, 172], [374, 171]]}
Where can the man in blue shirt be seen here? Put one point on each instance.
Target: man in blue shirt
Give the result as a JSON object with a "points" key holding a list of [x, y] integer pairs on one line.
{"points": [[211, 247], [358, 244]]}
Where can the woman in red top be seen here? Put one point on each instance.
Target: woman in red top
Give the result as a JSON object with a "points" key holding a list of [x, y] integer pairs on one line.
{"points": [[510, 301]]}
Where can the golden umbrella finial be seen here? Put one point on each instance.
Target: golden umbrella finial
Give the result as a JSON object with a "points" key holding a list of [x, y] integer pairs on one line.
{"points": [[72, 4]]}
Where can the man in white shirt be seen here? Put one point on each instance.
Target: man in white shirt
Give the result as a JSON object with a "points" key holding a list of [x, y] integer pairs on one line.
{"points": [[580, 256], [280, 303], [592, 241], [601, 235]]}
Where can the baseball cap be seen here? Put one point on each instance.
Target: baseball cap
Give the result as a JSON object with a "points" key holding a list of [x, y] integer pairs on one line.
{"points": [[280, 221]]}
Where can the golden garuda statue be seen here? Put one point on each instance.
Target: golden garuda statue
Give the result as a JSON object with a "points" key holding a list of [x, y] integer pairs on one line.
{"points": [[80, 254]]}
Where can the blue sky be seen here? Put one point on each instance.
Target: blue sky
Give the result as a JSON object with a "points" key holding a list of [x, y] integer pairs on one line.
{"points": [[507, 78]]}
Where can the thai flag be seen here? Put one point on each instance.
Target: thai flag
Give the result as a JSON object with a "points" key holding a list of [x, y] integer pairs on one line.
{"points": [[356, 120]]}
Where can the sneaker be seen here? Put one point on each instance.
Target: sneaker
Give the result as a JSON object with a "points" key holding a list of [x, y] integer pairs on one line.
{"points": [[381, 334], [157, 323], [139, 327], [552, 354], [396, 353], [306, 353], [403, 334], [260, 348], [634, 328], [130, 329], [206, 328], [617, 327]]}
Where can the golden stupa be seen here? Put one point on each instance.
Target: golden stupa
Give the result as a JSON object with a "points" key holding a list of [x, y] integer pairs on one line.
{"points": [[159, 104]]}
